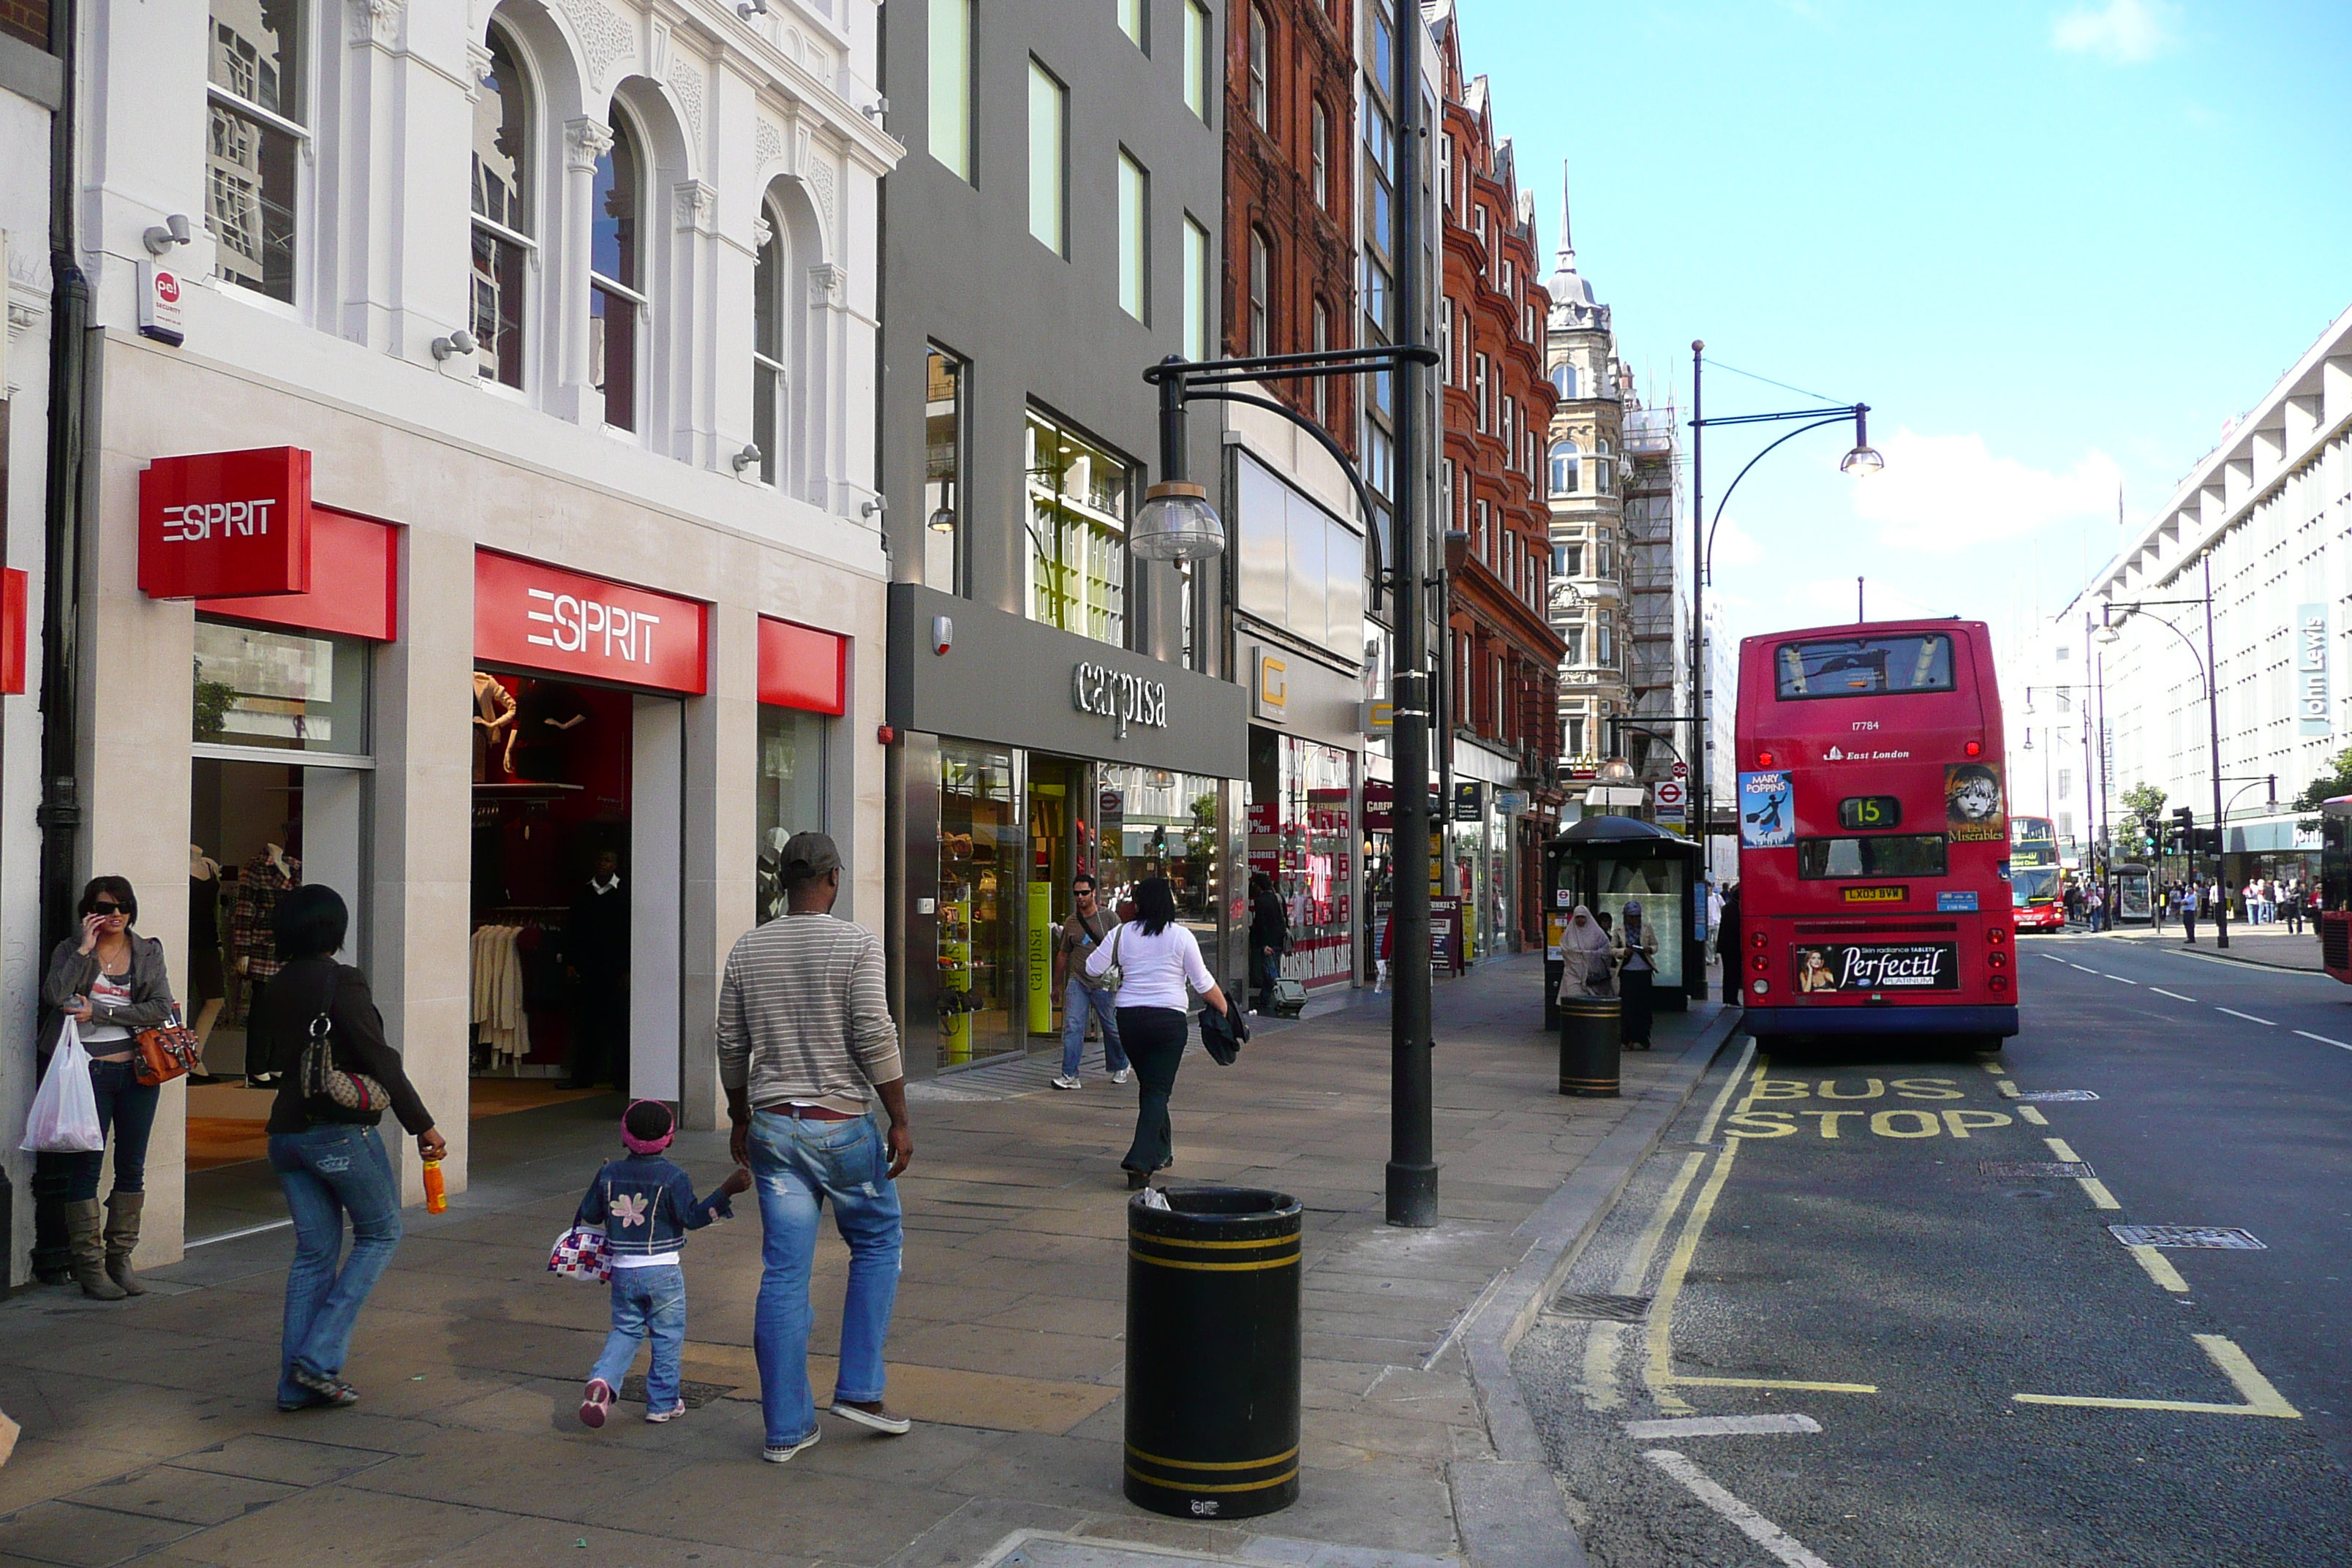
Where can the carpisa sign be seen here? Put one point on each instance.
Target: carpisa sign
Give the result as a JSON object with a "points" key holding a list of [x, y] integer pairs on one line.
{"points": [[1121, 698]]}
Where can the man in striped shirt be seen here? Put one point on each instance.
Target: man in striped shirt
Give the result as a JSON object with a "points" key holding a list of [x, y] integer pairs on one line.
{"points": [[806, 1045]]}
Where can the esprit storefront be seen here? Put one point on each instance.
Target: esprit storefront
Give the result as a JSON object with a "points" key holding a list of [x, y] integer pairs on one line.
{"points": [[1022, 755], [550, 798]]}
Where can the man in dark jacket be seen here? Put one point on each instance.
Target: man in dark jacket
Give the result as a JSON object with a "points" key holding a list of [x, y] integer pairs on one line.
{"points": [[1269, 938]]}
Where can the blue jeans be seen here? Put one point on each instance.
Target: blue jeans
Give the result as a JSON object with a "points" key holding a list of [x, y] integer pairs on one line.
{"points": [[1077, 1001], [646, 1302], [126, 1111], [797, 1163], [333, 1170]]}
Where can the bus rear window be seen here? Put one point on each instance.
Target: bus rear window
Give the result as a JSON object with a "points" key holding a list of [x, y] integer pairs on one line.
{"points": [[1873, 854], [1864, 666]]}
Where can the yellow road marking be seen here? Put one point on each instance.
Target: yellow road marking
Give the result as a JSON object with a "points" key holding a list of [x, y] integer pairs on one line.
{"points": [[1660, 1372], [2261, 1398], [2033, 1114], [2159, 1268], [1714, 1111], [2008, 1086], [2058, 1146], [1783, 1383], [2097, 1190], [1995, 1069], [1601, 1366], [1600, 1339]]}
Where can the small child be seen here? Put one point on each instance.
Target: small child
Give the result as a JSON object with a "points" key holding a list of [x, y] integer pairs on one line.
{"points": [[647, 1205]]}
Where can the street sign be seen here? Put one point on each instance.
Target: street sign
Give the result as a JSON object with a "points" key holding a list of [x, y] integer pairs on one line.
{"points": [[1682, 770], [1670, 794]]}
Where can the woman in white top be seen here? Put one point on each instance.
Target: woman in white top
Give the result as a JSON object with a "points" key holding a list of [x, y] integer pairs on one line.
{"points": [[1157, 959]]}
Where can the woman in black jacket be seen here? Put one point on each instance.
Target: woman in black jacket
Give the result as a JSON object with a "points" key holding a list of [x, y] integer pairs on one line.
{"points": [[330, 1160]]}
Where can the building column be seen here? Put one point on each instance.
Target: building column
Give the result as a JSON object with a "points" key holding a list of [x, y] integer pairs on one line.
{"points": [[721, 883], [585, 141]]}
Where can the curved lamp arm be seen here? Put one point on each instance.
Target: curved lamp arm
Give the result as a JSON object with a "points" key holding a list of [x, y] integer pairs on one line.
{"points": [[2186, 642], [1841, 416], [1363, 495]]}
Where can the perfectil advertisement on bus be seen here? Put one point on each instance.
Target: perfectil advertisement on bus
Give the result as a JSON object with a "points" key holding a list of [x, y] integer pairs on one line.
{"points": [[1879, 966], [1972, 803], [1766, 819]]}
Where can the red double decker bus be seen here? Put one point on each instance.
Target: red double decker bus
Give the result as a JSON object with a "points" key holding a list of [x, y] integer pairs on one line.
{"points": [[1874, 835]]}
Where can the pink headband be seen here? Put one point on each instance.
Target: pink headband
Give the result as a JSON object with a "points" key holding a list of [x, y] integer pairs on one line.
{"points": [[636, 1146]]}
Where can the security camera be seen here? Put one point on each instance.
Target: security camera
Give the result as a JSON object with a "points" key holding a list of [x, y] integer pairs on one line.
{"points": [[172, 231], [460, 341]]}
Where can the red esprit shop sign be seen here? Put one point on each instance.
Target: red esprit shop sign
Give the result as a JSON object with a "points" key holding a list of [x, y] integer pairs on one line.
{"points": [[226, 525], [355, 573], [801, 666], [542, 617]]}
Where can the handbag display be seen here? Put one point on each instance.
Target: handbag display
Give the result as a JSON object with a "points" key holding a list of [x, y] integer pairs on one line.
{"points": [[329, 1086], [167, 1051], [582, 1252]]}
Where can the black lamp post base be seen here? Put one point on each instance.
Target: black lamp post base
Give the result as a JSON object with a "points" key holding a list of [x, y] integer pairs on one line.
{"points": [[1412, 1195]]}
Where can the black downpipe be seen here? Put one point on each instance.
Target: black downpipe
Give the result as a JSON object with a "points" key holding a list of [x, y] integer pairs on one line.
{"points": [[60, 810]]}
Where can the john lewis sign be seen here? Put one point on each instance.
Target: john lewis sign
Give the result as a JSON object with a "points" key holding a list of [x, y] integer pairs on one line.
{"points": [[2311, 669]]}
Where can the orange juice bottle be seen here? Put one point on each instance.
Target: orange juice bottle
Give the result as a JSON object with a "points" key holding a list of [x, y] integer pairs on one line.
{"points": [[436, 1200]]}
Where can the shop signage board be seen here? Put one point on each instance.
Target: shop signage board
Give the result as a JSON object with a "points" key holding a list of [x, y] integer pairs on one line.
{"points": [[161, 313], [1446, 934], [14, 595], [801, 666], [1469, 800], [2311, 669], [355, 582], [226, 525], [1669, 794], [537, 616]]}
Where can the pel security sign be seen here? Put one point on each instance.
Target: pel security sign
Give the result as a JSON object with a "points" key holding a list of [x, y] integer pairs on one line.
{"points": [[226, 525]]}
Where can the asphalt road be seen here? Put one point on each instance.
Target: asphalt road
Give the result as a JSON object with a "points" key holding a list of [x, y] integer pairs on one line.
{"points": [[1830, 1240]]}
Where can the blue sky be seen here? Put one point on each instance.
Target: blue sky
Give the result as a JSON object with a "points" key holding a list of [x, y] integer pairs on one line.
{"points": [[2054, 247]]}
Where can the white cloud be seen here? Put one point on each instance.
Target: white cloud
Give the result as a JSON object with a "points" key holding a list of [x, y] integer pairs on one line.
{"points": [[1942, 494], [1734, 546], [2122, 30]]}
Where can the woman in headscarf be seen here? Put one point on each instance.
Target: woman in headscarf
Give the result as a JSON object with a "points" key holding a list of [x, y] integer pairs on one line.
{"points": [[1583, 957], [1635, 947]]}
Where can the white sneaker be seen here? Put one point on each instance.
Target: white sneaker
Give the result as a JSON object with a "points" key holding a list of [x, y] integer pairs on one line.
{"points": [[1066, 1082], [782, 1453], [1121, 1076]]}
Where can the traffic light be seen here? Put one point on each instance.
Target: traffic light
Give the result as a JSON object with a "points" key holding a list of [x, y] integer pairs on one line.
{"points": [[2209, 841]]}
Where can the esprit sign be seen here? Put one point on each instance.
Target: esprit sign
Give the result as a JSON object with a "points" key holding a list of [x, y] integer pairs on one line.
{"points": [[226, 525], [543, 618], [1119, 697]]}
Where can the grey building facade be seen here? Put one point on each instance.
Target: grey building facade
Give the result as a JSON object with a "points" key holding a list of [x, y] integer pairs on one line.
{"points": [[1053, 229]]}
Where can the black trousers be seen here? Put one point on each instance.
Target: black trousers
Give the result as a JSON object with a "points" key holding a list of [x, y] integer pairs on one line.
{"points": [[1154, 1039], [1633, 988], [600, 1033]]}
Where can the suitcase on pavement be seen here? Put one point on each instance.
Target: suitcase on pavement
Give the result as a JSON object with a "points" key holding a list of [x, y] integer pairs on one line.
{"points": [[1290, 998]]}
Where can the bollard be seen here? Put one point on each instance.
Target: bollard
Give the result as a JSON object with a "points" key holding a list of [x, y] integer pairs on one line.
{"points": [[1589, 1048], [1212, 1352]]}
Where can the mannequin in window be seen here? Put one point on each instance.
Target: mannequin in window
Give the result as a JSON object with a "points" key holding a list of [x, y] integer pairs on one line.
{"points": [[207, 984], [494, 726], [272, 873], [595, 951]]}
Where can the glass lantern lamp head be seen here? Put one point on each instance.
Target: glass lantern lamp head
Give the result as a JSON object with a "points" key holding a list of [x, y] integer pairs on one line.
{"points": [[1177, 523], [1616, 771], [1863, 459]]}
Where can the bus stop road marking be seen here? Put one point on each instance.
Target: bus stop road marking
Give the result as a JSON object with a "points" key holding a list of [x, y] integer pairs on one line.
{"points": [[2093, 1188], [2175, 996], [2324, 1040], [2249, 1017], [2160, 1270], [2261, 1398], [1720, 1426], [2033, 1115], [1749, 1523]]}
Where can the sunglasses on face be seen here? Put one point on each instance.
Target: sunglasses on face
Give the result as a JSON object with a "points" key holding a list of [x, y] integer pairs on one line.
{"points": [[106, 909]]}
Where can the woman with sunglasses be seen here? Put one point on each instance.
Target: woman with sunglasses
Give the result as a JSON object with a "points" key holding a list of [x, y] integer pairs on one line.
{"points": [[111, 982]]}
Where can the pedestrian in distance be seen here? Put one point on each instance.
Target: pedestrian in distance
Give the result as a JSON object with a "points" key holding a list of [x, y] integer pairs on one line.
{"points": [[2188, 914], [1082, 998], [805, 1046], [1635, 949], [1727, 942], [2290, 906], [1158, 960], [1269, 939], [329, 1157], [645, 1205], [110, 982], [1586, 965]]}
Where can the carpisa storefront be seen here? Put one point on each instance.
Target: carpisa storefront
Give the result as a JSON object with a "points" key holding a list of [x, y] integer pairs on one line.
{"points": [[454, 685], [1022, 755]]}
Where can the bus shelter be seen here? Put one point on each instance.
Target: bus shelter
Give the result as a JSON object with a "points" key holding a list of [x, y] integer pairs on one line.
{"points": [[1607, 862]]}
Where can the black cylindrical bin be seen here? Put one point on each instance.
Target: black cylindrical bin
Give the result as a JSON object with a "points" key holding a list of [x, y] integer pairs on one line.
{"points": [[1212, 1352], [1588, 1045]]}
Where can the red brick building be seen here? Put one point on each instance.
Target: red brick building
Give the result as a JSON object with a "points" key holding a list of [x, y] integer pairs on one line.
{"points": [[1289, 264], [1505, 655]]}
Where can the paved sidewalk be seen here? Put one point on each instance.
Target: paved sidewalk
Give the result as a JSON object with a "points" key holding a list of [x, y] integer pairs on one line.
{"points": [[150, 1430], [2268, 945]]}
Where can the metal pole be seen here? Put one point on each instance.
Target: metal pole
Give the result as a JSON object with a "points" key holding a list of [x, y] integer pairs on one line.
{"points": [[2213, 752], [1702, 754], [1413, 1164], [2105, 864]]}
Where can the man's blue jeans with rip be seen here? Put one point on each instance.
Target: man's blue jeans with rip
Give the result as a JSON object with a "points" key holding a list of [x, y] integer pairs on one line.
{"points": [[332, 1170], [649, 1301], [797, 1163], [1078, 1000]]}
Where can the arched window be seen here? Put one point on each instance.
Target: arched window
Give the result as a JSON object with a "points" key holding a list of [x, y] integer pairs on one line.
{"points": [[502, 197], [768, 401], [616, 278], [1563, 377], [1563, 468], [1257, 68], [1261, 293]]}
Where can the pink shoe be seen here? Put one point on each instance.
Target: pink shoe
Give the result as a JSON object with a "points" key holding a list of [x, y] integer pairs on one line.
{"points": [[596, 1402]]}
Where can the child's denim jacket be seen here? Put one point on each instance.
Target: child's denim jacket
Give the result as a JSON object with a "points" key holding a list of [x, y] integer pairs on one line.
{"points": [[647, 1205]]}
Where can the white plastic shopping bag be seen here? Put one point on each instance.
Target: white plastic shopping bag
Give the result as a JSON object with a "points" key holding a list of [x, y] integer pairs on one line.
{"points": [[64, 1120]]}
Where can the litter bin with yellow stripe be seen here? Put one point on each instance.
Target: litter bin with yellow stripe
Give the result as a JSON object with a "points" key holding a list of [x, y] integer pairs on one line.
{"points": [[1212, 1352]]}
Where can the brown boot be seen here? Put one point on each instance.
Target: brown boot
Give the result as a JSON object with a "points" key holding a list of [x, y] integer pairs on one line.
{"points": [[83, 1219], [123, 1212]]}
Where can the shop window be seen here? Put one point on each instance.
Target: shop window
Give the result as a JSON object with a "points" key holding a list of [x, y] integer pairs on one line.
{"points": [[281, 690], [254, 148], [944, 375], [790, 792], [1078, 495], [617, 299], [949, 109], [502, 201], [1163, 824], [1302, 835], [1048, 159], [980, 937]]}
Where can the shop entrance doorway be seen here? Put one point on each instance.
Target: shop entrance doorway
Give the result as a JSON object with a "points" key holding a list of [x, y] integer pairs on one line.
{"points": [[1061, 844]]}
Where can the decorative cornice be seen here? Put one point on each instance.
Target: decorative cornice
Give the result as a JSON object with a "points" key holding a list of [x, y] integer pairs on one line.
{"points": [[697, 205]]}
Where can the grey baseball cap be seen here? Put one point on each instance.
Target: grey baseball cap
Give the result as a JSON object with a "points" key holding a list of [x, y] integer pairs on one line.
{"points": [[808, 856]]}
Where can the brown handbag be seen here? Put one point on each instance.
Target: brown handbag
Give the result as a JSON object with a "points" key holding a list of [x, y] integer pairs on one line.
{"points": [[167, 1051]]}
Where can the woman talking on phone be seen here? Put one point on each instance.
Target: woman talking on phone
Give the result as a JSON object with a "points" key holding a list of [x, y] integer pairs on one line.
{"points": [[111, 982]]}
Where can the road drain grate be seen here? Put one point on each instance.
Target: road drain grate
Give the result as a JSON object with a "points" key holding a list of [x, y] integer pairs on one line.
{"points": [[2010, 1170], [2221, 1235], [2047, 1096], [1601, 1309], [695, 1394]]}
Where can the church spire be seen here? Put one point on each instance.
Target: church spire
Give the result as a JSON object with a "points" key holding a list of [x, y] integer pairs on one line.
{"points": [[1568, 289]]}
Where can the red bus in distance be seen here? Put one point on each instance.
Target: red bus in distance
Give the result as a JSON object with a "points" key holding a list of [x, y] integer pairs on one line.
{"points": [[1874, 835]]}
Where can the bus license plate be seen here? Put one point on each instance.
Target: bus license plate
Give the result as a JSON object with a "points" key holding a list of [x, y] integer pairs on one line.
{"points": [[1876, 895], [1833, 967]]}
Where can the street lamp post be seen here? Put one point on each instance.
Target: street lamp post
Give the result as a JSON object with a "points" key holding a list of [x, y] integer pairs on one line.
{"points": [[2108, 634], [1862, 460]]}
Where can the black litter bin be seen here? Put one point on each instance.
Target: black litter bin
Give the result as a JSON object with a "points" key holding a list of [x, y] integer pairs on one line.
{"points": [[1212, 1352], [1589, 1051]]}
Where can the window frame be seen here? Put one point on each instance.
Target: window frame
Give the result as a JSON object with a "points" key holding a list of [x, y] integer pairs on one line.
{"points": [[1047, 87], [491, 369], [1134, 237], [1258, 91], [1198, 26], [1260, 339], [264, 123], [964, 111], [636, 296]]}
